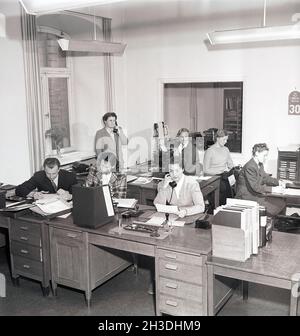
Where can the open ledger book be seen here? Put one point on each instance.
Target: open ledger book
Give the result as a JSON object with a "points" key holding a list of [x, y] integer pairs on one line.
{"points": [[52, 207]]}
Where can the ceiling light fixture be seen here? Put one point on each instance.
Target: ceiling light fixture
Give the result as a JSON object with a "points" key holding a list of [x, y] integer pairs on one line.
{"points": [[92, 46], [38, 7], [256, 34]]}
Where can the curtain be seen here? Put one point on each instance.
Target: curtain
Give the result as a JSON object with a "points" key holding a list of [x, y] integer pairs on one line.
{"points": [[108, 75], [33, 91]]}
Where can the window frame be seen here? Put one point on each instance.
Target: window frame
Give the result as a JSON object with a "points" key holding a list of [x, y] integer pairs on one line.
{"points": [[51, 72]]}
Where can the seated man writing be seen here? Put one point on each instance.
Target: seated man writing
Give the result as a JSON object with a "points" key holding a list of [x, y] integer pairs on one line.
{"points": [[51, 180], [181, 190], [105, 173]]}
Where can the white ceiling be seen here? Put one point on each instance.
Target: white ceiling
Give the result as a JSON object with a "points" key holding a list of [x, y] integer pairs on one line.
{"points": [[138, 12]]}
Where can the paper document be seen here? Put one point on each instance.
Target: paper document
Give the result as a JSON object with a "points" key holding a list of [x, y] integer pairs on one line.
{"points": [[278, 190], [142, 180], [18, 207], [171, 209], [53, 207], [108, 201], [156, 221], [204, 178], [125, 202], [291, 210], [231, 180], [130, 178], [291, 192]]}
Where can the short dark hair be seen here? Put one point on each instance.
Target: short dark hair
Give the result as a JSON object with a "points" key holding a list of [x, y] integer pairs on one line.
{"points": [[221, 133], [51, 162], [182, 130], [109, 114], [260, 147]]}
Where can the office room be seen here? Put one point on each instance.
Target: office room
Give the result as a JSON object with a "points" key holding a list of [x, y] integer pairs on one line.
{"points": [[158, 69]]}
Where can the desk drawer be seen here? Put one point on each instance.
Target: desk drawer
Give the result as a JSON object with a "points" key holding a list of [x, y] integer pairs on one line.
{"points": [[176, 306], [178, 271], [180, 289], [33, 238], [122, 244], [27, 266], [26, 250], [67, 234], [24, 226], [179, 257], [3, 221]]}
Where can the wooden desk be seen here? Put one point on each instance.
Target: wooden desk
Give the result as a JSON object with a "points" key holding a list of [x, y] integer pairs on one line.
{"points": [[146, 193], [277, 265], [84, 258]]}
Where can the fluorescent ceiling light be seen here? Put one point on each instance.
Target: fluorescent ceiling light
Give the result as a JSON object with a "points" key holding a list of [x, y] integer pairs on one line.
{"points": [[36, 7], [255, 34], [92, 46]]}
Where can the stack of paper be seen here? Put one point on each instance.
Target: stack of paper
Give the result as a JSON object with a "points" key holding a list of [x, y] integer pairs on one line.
{"points": [[49, 207], [142, 180], [125, 202]]}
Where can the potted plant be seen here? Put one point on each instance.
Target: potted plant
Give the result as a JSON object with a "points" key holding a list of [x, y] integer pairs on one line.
{"points": [[57, 135]]}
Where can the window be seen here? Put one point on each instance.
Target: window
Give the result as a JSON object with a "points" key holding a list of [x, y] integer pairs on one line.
{"points": [[203, 107], [55, 71]]}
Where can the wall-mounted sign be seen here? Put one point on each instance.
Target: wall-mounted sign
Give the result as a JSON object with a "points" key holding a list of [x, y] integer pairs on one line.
{"points": [[294, 103]]}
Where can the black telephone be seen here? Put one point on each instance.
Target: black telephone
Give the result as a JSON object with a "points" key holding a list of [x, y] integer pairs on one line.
{"points": [[173, 184], [115, 130]]}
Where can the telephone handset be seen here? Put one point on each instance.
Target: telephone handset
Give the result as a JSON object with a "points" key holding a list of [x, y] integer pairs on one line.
{"points": [[115, 130], [173, 184]]}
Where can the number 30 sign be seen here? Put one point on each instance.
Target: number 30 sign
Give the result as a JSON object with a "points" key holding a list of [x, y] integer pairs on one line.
{"points": [[294, 103]]}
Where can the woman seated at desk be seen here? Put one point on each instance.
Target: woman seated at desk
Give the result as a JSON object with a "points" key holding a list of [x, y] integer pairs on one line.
{"points": [[254, 183], [217, 160], [104, 173], [183, 191]]}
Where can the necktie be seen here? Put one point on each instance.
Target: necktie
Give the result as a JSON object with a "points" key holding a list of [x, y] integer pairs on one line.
{"points": [[54, 185]]}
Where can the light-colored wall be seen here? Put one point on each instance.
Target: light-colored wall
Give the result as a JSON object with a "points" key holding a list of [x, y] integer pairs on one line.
{"points": [[175, 51], [14, 153]]}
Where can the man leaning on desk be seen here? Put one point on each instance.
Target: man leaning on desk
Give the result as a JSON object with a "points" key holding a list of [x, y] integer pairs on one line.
{"points": [[51, 180], [180, 190]]}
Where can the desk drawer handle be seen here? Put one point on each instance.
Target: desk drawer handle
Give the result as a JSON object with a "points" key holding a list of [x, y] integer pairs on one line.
{"points": [[171, 285], [171, 303], [171, 256], [24, 251], [24, 238], [71, 235], [26, 266], [25, 228], [171, 267]]}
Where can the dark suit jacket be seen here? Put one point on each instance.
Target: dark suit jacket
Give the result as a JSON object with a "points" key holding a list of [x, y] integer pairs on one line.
{"points": [[253, 182], [40, 181]]}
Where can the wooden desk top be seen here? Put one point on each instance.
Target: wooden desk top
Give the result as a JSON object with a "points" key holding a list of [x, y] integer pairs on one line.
{"points": [[279, 259], [153, 184], [182, 239]]}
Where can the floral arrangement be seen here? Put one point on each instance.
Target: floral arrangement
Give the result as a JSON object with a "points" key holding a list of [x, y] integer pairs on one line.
{"points": [[57, 135]]}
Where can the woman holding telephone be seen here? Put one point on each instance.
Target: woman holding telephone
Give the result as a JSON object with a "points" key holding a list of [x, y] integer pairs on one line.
{"points": [[111, 138], [180, 190]]}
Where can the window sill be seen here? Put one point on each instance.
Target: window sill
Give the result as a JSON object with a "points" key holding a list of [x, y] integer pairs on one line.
{"points": [[68, 158]]}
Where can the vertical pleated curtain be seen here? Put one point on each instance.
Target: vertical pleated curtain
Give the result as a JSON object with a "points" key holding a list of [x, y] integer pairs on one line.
{"points": [[193, 109], [33, 91], [108, 70]]}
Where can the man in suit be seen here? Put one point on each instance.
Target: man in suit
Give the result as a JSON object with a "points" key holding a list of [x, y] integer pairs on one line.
{"points": [[184, 192], [110, 138], [51, 180], [104, 173], [255, 184]]}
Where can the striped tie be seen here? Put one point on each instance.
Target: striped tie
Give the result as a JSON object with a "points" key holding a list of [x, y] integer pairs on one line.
{"points": [[54, 185]]}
